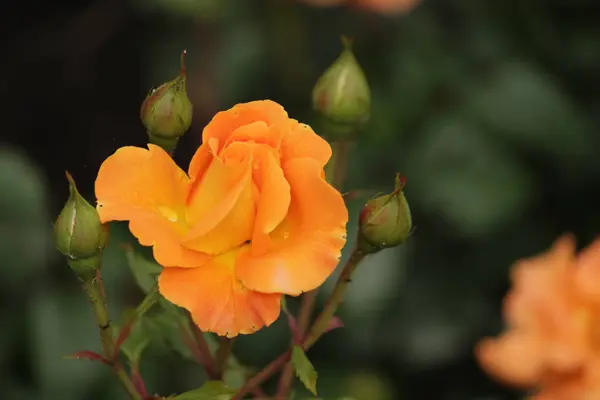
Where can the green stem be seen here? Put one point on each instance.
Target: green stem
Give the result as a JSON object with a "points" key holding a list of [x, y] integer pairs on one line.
{"points": [[95, 291], [318, 328], [205, 356], [335, 170], [337, 297], [168, 144], [263, 375], [222, 355]]}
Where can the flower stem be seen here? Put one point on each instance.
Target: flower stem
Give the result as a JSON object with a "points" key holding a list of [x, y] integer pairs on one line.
{"points": [[263, 375], [318, 328], [204, 354], [222, 355], [94, 288], [333, 302], [336, 168]]}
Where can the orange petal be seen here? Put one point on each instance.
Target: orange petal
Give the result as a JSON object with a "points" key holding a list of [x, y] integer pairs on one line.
{"points": [[514, 358], [200, 162], [226, 122], [306, 246], [301, 141], [217, 301], [542, 288], [146, 188], [260, 132], [274, 200], [587, 277], [235, 228], [215, 195]]}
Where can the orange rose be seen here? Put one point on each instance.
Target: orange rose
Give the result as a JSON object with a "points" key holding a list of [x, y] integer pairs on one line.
{"points": [[253, 219], [553, 313]]}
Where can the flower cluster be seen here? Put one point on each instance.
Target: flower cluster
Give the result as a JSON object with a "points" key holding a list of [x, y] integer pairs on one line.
{"points": [[552, 344], [252, 219]]}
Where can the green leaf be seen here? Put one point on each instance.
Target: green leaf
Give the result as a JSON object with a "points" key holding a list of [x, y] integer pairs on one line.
{"points": [[166, 326], [211, 390], [130, 338], [144, 271], [304, 369]]}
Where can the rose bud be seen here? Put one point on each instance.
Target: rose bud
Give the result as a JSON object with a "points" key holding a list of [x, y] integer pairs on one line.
{"points": [[342, 95], [385, 221], [79, 235], [167, 111]]}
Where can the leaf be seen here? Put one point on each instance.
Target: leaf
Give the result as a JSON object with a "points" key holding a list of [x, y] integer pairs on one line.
{"points": [[124, 333], [87, 355], [166, 327], [304, 369], [144, 271], [211, 390]]}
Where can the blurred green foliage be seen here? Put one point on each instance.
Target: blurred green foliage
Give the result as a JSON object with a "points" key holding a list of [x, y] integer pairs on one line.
{"points": [[489, 108]]}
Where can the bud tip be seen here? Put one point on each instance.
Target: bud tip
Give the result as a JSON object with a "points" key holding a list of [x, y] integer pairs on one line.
{"points": [[72, 186], [400, 182], [182, 63], [347, 42]]}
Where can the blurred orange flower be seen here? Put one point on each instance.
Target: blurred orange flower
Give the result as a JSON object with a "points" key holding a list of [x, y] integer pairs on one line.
{"points": [[553, 312], [379, 6], [252, 219]]}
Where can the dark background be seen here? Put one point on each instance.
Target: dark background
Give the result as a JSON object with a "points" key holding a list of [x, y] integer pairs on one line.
{"points": [[490, 108]]}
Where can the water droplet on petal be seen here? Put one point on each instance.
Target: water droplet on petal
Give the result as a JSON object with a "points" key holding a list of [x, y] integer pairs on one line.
{"points": [[168, 213]]}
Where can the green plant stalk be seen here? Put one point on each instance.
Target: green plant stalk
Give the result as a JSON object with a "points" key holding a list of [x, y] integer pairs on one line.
{"points": [[222, 355], [168, 144], [318, 328], [337, 297], [335, 170], [203, 353], [94, 288]]}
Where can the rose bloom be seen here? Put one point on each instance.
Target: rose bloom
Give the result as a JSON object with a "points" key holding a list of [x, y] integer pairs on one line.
{"points": [[552, 344], [252, 219]]}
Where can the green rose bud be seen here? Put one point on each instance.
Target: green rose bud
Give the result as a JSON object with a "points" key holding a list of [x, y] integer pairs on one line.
{"points": [[385, 221], [342, 95], [167, 111], [79, 235]]}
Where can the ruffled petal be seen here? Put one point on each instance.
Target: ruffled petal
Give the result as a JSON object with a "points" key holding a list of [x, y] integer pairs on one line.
{"points": [[226, 122], [300, 141], [217, 301], [147, 188], [234, 229], [274, 198], [216, 195], [306, 246]]}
